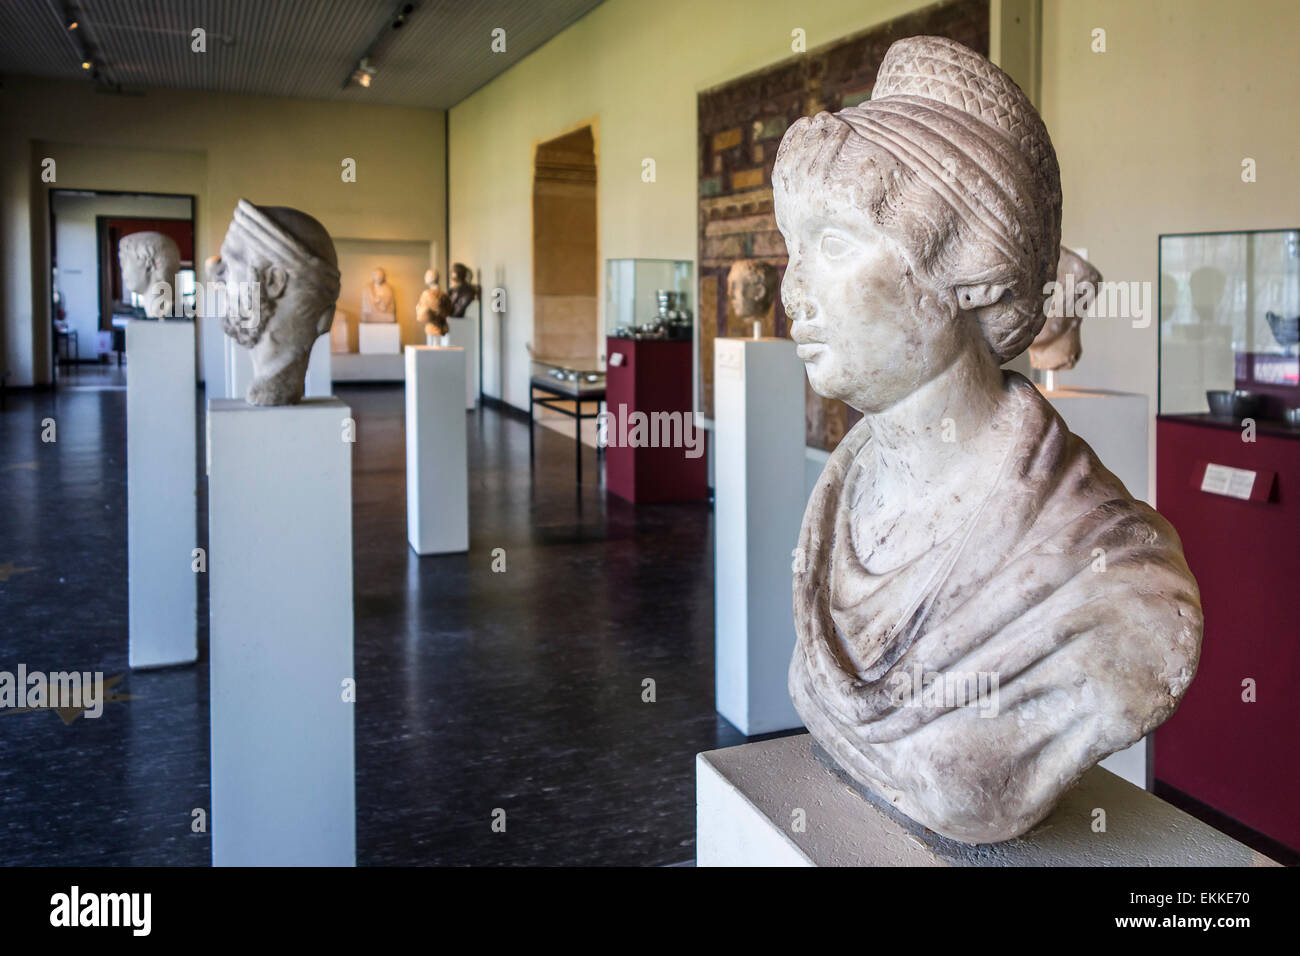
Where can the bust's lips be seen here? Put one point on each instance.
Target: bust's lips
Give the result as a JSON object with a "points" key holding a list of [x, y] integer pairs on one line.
{"points": [[808, 339]]}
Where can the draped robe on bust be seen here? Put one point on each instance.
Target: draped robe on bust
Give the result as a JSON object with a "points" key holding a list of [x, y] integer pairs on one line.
{"points": [[1072, 594]]}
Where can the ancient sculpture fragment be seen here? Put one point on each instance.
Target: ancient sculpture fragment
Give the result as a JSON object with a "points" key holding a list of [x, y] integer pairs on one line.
{"points": [[281, 276], [1058, 346], [433, 307], [150, 261], [983, 612]]}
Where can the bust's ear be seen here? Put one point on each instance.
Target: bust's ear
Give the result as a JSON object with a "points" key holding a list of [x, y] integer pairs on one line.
{"points": [[979, 296], [275, 279]]}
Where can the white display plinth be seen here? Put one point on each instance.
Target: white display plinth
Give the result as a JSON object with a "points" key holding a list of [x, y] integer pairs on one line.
{"points": [[318, 382], [212, 346], [379, 338], [774, 803], [437, 465], [161, 522], [355, 367], [464, 334], [1114, 424], [280, 586], [758, 506]]}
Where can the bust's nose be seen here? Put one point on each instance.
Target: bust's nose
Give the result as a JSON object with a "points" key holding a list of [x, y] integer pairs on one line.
{"points": [[799, 305]]}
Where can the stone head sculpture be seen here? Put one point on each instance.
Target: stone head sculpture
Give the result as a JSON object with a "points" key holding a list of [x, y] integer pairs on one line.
{"points": [[1058, 345], [957, 651], [462, 289], [433, 307], [150, 261], [282, 279], [378, 301], [751, 288]]}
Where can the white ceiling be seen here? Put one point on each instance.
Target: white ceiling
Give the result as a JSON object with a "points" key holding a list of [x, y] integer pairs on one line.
{"points": [[299, 48]]}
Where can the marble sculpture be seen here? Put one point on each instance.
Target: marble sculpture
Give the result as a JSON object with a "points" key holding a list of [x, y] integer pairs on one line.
{"points": [[751, 290], [1058, 346], [462, 290], [434, 306], [982, 610], [150, 261], [378, 303], [282, 281]]}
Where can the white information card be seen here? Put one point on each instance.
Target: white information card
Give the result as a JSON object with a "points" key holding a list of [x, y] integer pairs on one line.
{"points": [[1232, 482]]}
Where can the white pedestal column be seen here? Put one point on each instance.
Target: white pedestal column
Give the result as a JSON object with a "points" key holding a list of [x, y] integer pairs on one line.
{"points": [[379, 338], [437, 466], [280, 585], [1115, 425], [758, 505], [773, 803], [162, 598], [464, 334], [212, 345], [318, 382]]}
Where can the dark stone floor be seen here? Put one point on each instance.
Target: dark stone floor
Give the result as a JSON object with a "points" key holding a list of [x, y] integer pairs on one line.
{"points": [[477, 690]]}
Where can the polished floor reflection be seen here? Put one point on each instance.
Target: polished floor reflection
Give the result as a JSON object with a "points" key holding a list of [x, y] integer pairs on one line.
{"points": [[479, 690]]}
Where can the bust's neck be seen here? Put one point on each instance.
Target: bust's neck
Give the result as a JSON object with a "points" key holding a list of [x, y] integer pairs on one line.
{"points": [[944, 433], [277, 375]]}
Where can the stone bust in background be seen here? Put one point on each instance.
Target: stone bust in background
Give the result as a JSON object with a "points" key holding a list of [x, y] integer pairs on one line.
{"points": [[378, 303], [1058, 346], [434, 306], [150, 261], [751, 290], [281, 276], [462, 290], [982, 610]]}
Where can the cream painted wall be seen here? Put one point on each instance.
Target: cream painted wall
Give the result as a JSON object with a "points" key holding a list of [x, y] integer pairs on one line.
{"points": [[1151, 135], [637, 67], [217, 147]]}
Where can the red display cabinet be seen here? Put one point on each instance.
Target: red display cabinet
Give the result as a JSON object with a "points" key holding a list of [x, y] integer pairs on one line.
{"points": [[1241, 534], [645, 377]]}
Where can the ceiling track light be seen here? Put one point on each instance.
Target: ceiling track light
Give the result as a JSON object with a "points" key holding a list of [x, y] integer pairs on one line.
{"points": [[365, 70]]}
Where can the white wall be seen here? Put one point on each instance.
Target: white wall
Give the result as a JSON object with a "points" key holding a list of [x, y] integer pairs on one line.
{"points": [[78, 251], [1151, 135], [634, 70], [217, 147]]}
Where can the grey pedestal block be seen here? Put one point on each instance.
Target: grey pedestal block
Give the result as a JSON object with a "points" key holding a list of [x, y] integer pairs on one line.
{"points": [[774, 803]]}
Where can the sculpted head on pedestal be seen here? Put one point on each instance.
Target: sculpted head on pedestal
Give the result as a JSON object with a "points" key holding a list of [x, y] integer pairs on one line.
{"points": [[462, 289], [751, 288], [1058, 346], [150, 261], [281, 276], [433, 307], [958, 651]]}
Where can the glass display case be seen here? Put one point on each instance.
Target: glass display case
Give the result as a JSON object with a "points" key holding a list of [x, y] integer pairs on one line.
{"points": [[568, 379], [1229, 307], [649, 299]]}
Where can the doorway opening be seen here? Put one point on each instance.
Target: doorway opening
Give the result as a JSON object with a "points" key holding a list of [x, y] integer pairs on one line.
{"points": [[566, 266], [89, 305]]}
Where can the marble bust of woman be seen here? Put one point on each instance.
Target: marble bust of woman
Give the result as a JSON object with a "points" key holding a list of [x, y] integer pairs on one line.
{"points": [[983, 612]]}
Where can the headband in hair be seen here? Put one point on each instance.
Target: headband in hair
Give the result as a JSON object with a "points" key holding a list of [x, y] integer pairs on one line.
{"points": [[268, 238]]}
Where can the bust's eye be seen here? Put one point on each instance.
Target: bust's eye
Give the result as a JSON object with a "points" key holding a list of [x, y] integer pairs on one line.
{"points": [[834, 247]]}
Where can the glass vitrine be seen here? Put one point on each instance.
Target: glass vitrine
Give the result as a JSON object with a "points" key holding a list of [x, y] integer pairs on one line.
{"points": [[1229, 306], [649, 299]]}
